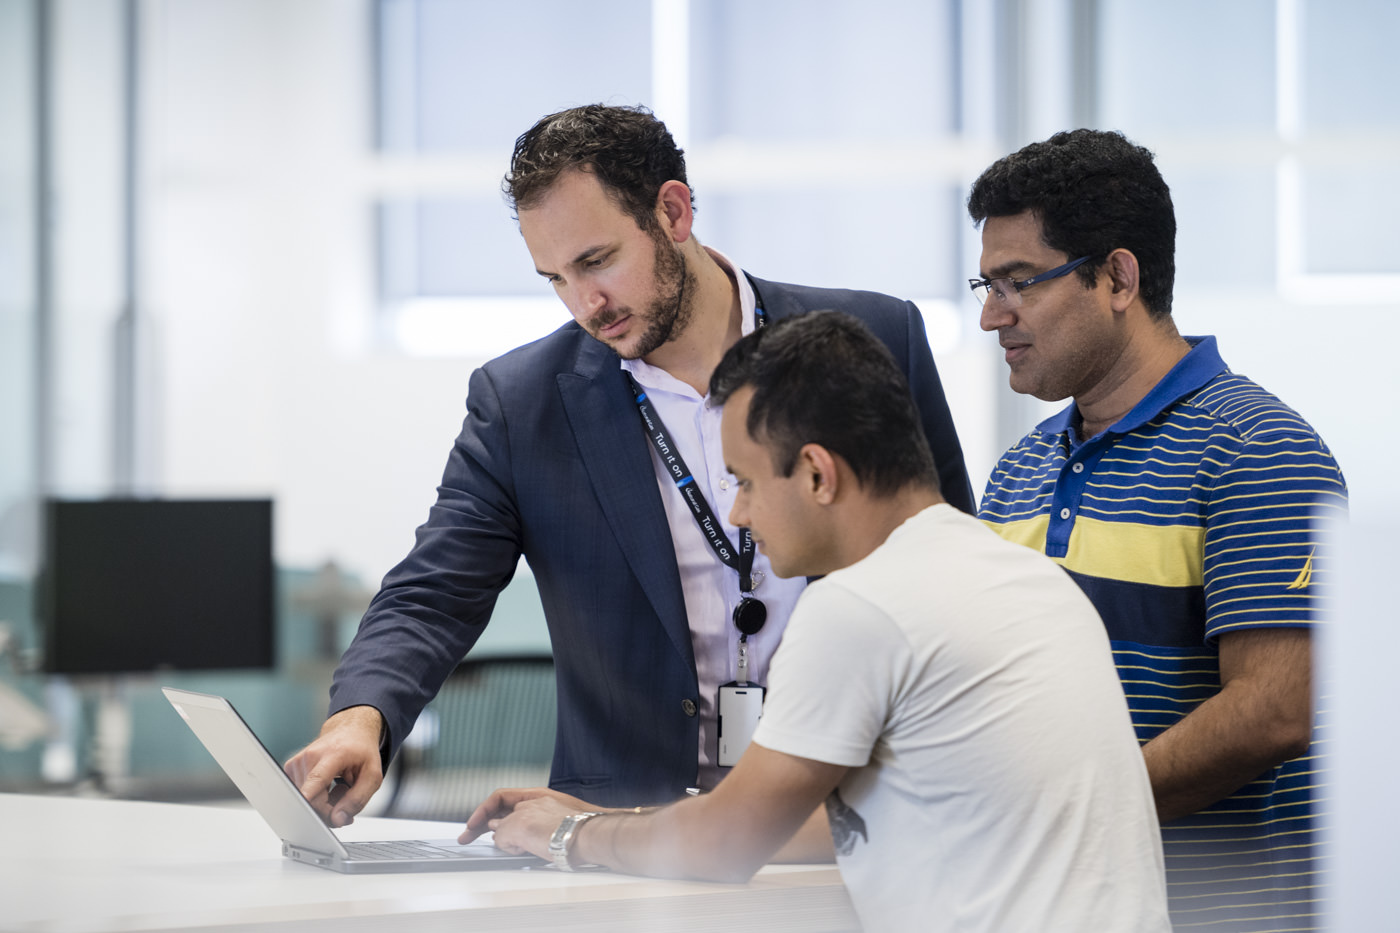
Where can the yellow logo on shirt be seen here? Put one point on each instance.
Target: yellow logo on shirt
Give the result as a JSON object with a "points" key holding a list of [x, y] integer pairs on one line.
{"points": [[1304, 575]]}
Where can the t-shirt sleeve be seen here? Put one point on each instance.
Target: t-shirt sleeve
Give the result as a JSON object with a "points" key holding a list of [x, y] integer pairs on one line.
{"points": [[1263, 566], [834, 679]]}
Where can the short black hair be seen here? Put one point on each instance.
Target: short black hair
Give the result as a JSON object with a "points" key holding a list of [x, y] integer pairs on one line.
{"points": [[630, 152], [824, 378], [1093, 192]]}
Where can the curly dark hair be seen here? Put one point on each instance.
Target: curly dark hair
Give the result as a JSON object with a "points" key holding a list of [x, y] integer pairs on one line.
{"points": [[1093, 192], [627, 148], [823, 377]]}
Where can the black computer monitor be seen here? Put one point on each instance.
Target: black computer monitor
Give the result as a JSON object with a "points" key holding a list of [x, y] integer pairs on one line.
{"points": [[133, 585]]}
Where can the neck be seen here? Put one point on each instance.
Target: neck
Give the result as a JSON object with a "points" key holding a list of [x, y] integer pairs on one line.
{"points": [[1142, 364], [716, 323]]}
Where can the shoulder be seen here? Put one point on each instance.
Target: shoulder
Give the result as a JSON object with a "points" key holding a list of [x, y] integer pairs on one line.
{"points": [[1039, 454], [897, 322], [839, 623], [782, 299], [535, 382], [1233, 423], [1245, 408], [1022, 481], [556, 350], [1232, 451], [1035, 446], [568, 351]]}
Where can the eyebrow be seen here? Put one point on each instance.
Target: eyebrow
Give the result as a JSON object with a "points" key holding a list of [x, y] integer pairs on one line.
{"points": [[1008, 269], [588, 253]]}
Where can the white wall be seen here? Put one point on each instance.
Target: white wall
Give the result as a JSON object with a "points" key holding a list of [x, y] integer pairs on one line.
{"points": [[257, 269]]}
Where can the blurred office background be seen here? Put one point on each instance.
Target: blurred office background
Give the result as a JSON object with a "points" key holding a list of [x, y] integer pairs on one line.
{"points": [[255, 247]]}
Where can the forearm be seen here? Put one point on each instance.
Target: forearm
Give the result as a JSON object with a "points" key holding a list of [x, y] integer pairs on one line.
{"points": [[415, 632], [811, 843], [435, 603], [664, 844], [725, 835], [1224, 743]]}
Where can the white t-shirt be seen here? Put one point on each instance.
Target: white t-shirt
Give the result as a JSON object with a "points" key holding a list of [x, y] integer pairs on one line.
{"points": [[997, 784]]}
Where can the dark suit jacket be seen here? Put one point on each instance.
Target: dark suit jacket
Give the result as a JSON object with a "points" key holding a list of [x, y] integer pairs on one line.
{"points": [[552, 463]]}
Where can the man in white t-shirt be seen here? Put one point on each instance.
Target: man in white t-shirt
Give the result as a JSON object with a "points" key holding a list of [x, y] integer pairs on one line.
{"points": [[948, 695]]}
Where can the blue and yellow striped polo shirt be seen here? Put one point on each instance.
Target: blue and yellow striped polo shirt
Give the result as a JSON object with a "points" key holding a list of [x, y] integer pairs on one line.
{"points": [[1190, 517]]}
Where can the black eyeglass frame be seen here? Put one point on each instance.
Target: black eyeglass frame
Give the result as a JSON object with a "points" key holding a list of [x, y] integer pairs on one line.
{"points": [[986, 284]]}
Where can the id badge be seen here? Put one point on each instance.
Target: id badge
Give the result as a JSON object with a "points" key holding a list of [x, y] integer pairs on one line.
{"points": [[739, 710]]}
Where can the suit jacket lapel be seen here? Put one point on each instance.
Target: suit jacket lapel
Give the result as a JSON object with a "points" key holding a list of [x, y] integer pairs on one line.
{"points": [[775, 300], [614, 450]]}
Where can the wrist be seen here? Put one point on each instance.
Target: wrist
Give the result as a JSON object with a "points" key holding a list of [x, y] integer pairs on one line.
{"points": [[565, 840], [362, 716], [365, 720]]}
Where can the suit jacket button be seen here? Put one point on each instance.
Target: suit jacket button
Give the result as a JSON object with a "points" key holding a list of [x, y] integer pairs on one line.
{"points": [[688, 705]]}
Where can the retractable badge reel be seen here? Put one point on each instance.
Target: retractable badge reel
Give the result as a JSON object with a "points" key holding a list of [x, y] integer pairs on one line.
{"points": [[741, 702]]}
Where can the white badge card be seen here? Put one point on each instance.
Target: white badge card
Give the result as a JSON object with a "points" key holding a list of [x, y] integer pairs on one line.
{"points": [[739, 710]]}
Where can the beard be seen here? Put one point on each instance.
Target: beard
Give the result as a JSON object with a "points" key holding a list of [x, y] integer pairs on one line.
{"points": [[671, 307]]}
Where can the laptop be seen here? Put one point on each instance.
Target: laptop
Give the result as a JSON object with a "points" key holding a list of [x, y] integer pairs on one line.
{"points": [[305, 838]]}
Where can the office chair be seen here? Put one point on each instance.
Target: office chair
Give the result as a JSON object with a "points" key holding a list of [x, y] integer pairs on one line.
{"points": [[491, 725]]}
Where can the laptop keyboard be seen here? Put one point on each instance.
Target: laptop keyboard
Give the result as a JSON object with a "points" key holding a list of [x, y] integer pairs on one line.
{"points": [[396, 850]]}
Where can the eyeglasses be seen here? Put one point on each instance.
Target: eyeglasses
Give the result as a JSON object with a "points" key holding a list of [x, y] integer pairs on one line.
{"points": [[1007, 291]]}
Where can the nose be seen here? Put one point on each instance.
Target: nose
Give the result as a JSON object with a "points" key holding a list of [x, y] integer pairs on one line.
{"points": [[996, 315], [739, 514], [583, 300]]}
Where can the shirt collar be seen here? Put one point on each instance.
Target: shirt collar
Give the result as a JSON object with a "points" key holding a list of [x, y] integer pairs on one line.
{"points": [[1200, 365]]}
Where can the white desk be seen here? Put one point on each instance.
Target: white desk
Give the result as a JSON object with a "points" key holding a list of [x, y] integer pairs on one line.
{"points": [[79, 865]]}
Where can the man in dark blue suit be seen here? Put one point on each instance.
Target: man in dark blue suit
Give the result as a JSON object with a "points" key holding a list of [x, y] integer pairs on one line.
{"points": [[593, 454]]}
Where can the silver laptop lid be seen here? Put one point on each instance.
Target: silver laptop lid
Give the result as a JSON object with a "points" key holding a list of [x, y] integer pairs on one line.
{"points": [[252, 768]]}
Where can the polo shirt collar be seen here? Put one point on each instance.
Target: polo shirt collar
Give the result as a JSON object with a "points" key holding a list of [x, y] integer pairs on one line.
{"points": [[1200, 365]]}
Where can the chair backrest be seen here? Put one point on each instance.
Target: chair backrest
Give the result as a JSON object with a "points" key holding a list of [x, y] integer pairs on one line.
{"points": [[491, 725]]}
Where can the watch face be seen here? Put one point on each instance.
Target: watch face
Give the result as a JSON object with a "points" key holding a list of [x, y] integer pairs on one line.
{"points": [[563, 838], [559, 845]]}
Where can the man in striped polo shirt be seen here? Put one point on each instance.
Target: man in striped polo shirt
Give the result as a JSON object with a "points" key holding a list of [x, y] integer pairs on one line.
{"points": [[1181, 496]]}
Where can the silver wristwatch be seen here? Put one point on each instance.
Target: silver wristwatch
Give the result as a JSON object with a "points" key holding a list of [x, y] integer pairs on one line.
{"points": [[563, 838]]}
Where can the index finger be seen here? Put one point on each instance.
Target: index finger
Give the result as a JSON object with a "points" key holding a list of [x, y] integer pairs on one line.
{"points": [[501, 802], [349, 797], [315, 777]]}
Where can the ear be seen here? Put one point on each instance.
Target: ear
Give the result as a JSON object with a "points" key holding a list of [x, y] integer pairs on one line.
{"points": [[816, 466], [1122, 269], [673, 210]]}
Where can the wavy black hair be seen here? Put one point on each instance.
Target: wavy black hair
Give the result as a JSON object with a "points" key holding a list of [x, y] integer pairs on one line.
{"points": [[627, 148], [1093, 192], [824, 378]]}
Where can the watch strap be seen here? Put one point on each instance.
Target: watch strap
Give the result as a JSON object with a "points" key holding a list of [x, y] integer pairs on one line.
{"points": [[563, 839]]}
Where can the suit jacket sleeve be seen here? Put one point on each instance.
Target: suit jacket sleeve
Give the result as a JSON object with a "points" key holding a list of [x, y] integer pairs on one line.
{"points": [[551, 464], [433, 606]]}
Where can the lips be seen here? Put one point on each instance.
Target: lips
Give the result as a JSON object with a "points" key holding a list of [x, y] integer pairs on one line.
{"points": [[1014, 349], [613, 327]]}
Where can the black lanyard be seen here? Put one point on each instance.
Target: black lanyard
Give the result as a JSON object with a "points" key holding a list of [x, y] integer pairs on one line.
{"points": [[750, 613]]}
